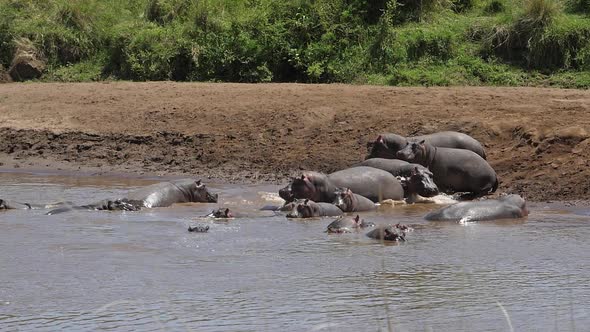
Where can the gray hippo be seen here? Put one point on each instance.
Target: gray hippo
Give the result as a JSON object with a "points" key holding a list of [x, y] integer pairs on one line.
{"points": [[221, 213], [10, 205], [387, 145], [420, 175], [372, 183], [419, 183], [505, 207], [309, 209], [347, 224], [455, 170], [396, 233], [161, 194], [348, 201], [199, 228]]}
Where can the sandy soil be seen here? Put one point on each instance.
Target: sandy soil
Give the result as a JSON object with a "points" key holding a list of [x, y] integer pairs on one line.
{"points": [[537, 140]]}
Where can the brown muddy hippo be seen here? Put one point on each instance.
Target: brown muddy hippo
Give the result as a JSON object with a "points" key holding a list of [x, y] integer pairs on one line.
{"points": [[505, 207], [396, 233], [309, 209], [347, 224], [348, 201], [161, 194], [369, 182], [455, 170], [387, 145]]}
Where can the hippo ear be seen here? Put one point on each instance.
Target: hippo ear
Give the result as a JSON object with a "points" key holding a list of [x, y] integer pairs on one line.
{"points": [[357, 219], [226, 210], [302, 177], [198, 183], [306, 200], [422, 142]]}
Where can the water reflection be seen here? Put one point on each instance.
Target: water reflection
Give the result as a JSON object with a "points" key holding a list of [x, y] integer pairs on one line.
{"points": [[129, 271]]}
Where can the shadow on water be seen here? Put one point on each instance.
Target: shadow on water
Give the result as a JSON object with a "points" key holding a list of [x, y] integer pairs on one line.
{"points": [[89, 270]]}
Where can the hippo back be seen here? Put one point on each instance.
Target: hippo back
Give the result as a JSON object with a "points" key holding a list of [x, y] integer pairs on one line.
{"points": [[164, 193], [372, 183], [394, 166], [452, 139], [489, 209]]}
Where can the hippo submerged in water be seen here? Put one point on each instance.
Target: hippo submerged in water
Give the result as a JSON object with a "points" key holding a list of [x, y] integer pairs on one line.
{"points": [[455, 170], [161, 194], [387, 145], [505, 207], [9, 205], [395, 233], [308, 209], [347, 224]]}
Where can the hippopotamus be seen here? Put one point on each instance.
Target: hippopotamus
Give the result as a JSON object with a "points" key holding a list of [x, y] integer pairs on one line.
{"points": [[505, 207], [10, 205], [309, 209], [199, 228], [419, 183], [348, 201], [455, 170], [161, 194], [420, 175], [395, 233], [347, 224], [221, 213], [387, 145], [372, 183]]}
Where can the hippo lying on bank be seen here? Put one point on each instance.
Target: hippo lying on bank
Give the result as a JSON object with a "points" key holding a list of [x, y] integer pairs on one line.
{"points": [[506, 207], [347, 225], [161, 194], [395, 233], [455, 170], [6, 205], [372, 183], [387, 145], [422, 178], [309, 209]]}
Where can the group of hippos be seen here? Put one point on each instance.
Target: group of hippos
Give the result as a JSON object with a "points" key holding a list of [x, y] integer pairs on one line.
{"points": [[396, 169]]}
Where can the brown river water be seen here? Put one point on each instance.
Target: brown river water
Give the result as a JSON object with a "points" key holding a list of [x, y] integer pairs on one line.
{"points": [[142, 271]]}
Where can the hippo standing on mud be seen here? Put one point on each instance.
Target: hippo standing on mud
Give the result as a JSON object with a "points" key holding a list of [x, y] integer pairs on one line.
{"points": [[347, 224], [309, 209], [372, 183], [505, 207], [161, 194], [455, 170], [387, 145]]}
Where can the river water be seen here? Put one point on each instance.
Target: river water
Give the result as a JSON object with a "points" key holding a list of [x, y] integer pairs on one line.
{"points": [[142, 271]]}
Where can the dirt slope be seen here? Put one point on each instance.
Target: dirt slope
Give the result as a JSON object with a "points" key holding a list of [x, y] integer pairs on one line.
{"points": [[536, 139]]}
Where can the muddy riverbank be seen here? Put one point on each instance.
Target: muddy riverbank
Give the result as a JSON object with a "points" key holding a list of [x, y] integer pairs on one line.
{"points": [[537, 140]]}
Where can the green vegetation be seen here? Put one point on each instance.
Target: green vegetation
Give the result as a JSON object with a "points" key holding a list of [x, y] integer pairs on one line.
{"points": [[397, 42]]}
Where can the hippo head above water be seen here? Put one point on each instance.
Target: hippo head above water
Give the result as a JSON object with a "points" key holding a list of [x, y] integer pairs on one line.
{"points": [[305, 187], [517, 201], [347, 224], [344, 199], [3, 205], [421, 182], [221, 213], [305, 209], [200, 193]]}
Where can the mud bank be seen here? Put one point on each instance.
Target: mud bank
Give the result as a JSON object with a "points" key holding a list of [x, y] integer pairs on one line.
{"points": [[537, 140]]}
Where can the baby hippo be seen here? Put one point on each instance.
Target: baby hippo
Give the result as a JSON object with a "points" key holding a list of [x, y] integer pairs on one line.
{"points": [[348, 201], [396, 233], [505, 207], [347, 224], [309, 209]]}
